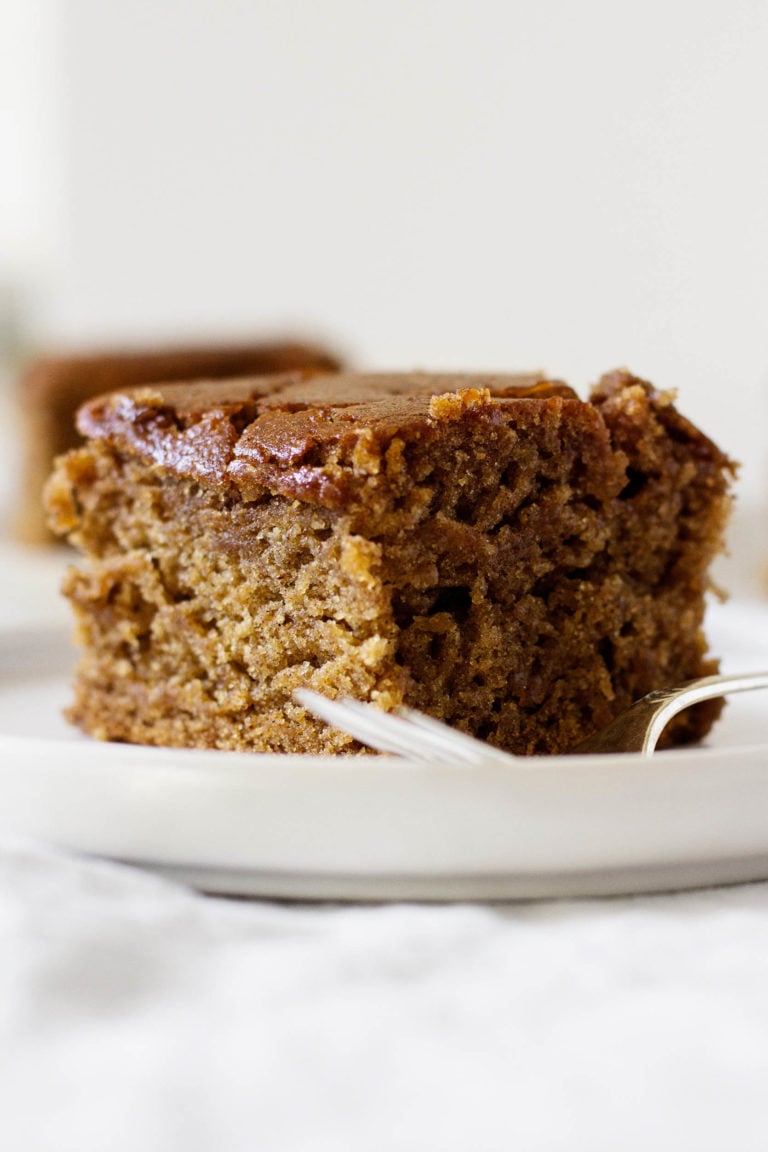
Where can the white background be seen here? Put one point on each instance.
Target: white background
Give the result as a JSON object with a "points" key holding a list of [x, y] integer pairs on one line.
{"points": [[497, 185]]}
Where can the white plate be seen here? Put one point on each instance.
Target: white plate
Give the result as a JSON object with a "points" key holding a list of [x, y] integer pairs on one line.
{"points": [[305, 827]]}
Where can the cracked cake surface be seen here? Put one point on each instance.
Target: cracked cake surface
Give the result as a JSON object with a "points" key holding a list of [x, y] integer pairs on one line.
{"points": [[490, 549], [52, 388]]}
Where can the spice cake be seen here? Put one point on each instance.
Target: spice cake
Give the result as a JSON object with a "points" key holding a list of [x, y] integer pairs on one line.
{"points": [[52, 389], [492, 550]]}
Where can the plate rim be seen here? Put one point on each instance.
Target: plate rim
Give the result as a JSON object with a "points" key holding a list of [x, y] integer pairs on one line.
{"points": [[36, 770]]}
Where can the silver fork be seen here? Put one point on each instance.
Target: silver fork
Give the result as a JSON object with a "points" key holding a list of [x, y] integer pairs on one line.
{"points": [[423, 740]]}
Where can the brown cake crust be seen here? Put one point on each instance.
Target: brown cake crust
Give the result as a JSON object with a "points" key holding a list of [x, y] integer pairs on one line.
{"points": [[296, 434], [52, 388], [490, 549]]}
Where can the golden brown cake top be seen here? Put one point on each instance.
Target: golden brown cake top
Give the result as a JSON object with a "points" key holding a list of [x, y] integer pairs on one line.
{"points": [[303, 434], [51, 388]]}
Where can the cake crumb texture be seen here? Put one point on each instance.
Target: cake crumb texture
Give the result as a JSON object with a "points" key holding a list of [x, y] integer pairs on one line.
{"points": [[492, 550]]}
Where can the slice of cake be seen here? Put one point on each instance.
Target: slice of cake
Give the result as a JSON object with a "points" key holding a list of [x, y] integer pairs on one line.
{"points": [[52, 389], [492, 550]]}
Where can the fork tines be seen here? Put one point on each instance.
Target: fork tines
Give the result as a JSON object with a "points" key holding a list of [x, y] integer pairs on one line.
{"points": [[406, 733]]}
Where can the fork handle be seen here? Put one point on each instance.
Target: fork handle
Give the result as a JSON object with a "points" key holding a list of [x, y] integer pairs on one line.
{"points": [[640, 727]]}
